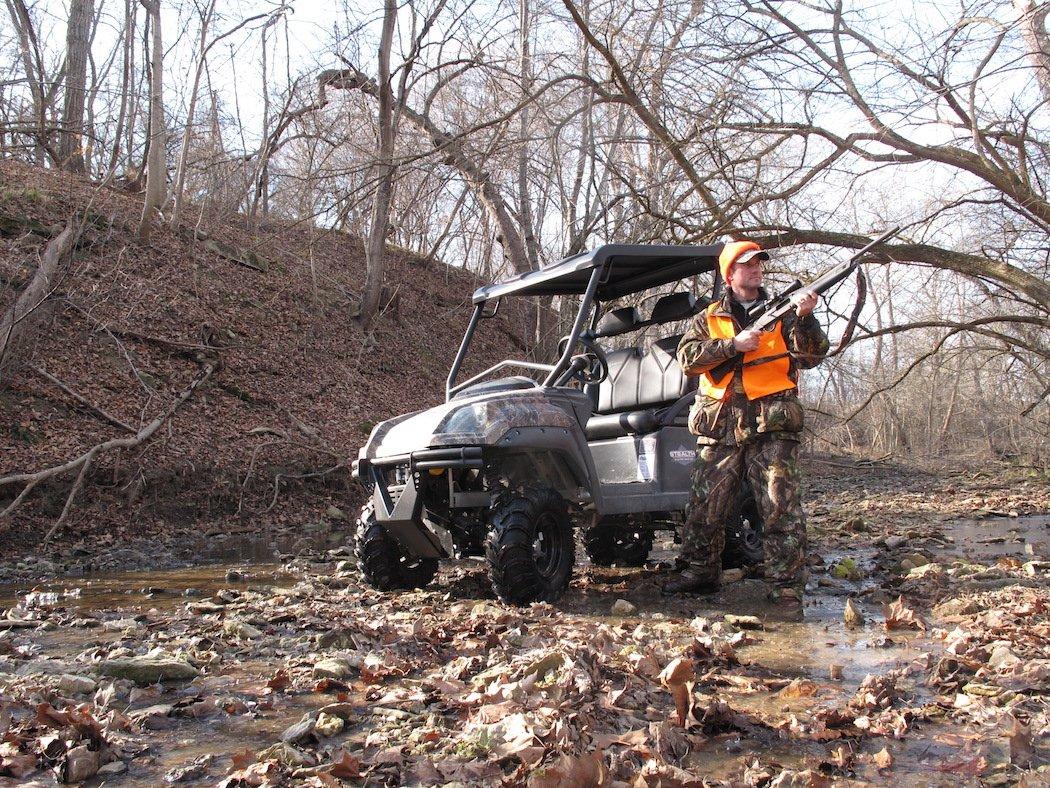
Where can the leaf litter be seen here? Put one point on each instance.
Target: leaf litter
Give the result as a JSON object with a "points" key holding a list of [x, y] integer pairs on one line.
{"points": [[337, 684]]}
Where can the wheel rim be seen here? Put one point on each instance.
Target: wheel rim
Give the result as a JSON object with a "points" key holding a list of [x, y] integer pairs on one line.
{"points": [[546, 547]]}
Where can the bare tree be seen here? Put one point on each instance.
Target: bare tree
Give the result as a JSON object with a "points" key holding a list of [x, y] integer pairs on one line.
{"points": [[78, 44], [156, 166], [374, 247]]}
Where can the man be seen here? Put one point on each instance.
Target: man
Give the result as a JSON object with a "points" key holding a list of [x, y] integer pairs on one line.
{"points": [[748, 423]]}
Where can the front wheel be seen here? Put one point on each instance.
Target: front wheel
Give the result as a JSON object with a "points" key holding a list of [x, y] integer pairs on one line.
{"points": [[530, 547], [383, 563]]}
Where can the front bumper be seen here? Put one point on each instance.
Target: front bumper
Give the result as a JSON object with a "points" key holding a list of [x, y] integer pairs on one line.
{"points": [[398, 505]]}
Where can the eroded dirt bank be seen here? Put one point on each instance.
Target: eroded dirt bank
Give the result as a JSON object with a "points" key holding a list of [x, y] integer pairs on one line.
{"points": [[294, 673]]}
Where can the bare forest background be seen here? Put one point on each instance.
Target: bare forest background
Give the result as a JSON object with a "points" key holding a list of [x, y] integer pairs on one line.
{"points": [[502, 135]]}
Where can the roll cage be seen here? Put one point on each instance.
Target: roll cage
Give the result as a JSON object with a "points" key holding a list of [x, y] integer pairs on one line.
{"points": [[600, 275]]}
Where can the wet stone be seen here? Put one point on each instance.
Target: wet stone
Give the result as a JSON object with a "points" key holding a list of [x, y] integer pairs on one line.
{"points": [[328, 724], [299, 731], [76, 685], [743, 622], [621, 607], [332, 668], [149, 670]]}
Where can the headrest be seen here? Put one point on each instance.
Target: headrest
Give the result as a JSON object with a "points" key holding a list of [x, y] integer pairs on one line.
{"points": [[668, 345], [618, 321], [676, 306]]}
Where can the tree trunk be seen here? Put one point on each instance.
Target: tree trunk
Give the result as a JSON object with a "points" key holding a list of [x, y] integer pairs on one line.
{"points": [[156, 168], [385, 181], [1037, 40], [180, 170], [78, 42]]}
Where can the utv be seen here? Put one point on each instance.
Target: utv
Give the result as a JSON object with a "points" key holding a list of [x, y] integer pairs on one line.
{"points": [[507, 465]]}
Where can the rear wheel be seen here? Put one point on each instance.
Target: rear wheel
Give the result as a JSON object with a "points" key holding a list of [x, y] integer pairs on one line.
{"points": [[609, 543], [530, 548], [383, 563], [743, 548]]}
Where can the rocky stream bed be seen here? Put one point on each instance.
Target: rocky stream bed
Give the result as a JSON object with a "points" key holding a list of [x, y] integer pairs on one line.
{"points": [[924, 660]]}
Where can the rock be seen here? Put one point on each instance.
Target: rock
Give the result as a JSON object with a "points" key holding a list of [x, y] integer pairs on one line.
{"points": [[1002, 657], [81, 763], [235, 576], [120, 625], [732, 576], [148, 669], [893, 542], [154, 718], [300, 731], [242, 630], [1033, 568], [76, 685], [193, 771], [743, 622], [113, 769], [328, 724], [346, 566], [288, 755], [335, 513], [852, 616], [621, 607], [913, 561], [333, 668]]}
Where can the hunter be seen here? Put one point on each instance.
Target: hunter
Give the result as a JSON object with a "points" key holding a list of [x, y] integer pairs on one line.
{"points": [[748, 424]]}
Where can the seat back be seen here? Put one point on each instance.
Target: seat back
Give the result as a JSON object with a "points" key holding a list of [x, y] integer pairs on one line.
{"points": [[640, 378]]}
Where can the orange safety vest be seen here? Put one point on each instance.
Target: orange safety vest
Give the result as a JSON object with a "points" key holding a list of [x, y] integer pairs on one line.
{"points": [[760, 380]]}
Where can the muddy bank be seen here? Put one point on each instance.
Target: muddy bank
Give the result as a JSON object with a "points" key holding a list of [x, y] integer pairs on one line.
{"points": [[294, 673]]}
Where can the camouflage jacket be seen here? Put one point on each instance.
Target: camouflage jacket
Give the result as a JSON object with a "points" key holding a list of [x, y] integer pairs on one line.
{"points": [[735, 419]]}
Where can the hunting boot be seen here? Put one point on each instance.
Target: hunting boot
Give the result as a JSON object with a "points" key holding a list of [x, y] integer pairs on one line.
{"points": [[786, 604], [693, 581]]}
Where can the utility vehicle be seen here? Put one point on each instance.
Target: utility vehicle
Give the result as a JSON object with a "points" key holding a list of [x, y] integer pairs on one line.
{"points": [[510, 464]]}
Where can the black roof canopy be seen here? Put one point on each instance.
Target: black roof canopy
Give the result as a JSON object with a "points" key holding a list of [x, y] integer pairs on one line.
{"points": [[631, 269]]}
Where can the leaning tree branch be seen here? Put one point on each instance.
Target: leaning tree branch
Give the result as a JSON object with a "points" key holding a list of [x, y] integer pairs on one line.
{"points": [[81, 400], [41, 286]]}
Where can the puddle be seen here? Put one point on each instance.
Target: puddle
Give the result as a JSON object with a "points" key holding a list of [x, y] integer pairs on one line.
{"points": [[998, 537], [161, 589]]}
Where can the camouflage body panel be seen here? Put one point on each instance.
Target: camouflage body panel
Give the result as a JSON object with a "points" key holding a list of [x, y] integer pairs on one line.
{"points": [[770, 465], [491, 419], [473, 421]]}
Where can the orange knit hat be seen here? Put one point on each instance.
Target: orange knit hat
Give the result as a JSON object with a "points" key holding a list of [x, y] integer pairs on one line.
{"points": [[733, 251]]}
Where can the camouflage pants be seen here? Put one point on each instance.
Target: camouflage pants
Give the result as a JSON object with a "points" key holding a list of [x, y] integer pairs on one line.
{"points": [[770, 466]]}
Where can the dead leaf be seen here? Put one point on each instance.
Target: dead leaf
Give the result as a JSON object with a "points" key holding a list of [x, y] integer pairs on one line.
{"points": [[280, 681], [242, 758], [969, 766], [799, 688], [346, 766], [1020, 738], [882, 759], [585, 771], [17, 766], [900, 616]]}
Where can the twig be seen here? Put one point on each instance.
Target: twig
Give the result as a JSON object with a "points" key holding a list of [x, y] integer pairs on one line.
{"points": [[83, 462], [105, 416]]}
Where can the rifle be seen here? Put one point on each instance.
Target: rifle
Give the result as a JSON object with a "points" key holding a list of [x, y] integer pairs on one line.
{"points": [[770, 312]]}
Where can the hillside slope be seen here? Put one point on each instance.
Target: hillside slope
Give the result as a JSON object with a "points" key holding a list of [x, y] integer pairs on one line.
{"points": [[297, 391]]}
